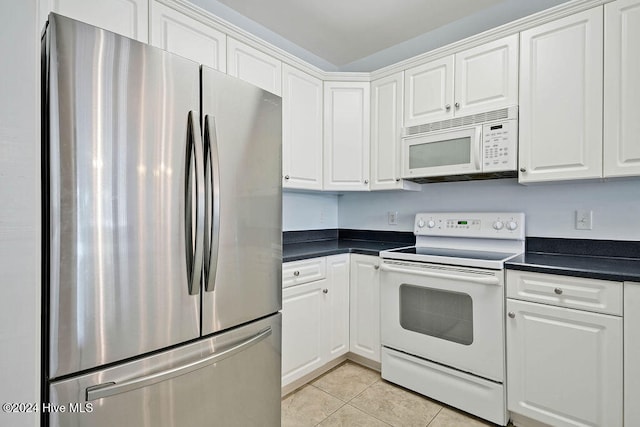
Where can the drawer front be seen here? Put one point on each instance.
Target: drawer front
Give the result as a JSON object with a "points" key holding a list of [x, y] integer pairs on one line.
{"points": [[600, 296], [305, 271]]}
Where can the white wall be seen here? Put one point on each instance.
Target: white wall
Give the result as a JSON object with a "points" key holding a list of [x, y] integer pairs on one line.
{"points": [[309, 211], [550, 208], [19, 209]]}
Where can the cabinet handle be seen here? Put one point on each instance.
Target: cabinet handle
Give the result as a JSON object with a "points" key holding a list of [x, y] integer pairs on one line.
{"points": [[377, 267], [325, 291], [523, 170], [558, 291], [366, 181], [457, 104], [447, 107], [511, 314], [296, 273], [286, 177], [397, 179]]}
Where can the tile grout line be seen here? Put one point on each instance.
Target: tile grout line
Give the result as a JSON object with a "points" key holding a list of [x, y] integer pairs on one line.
{"points": [[363, 410], [335, 397]]}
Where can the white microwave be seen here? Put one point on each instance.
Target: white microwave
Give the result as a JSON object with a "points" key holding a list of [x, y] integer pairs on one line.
{"points": [[480, 146]]}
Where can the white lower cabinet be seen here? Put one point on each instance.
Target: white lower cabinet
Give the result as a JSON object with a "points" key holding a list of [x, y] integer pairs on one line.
{"points": [[364, 316], [315, 318], [564, 366], [632, 354]]}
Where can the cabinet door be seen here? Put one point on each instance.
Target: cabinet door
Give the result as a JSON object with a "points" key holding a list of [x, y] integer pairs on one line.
{"points": [[561, 99], [346, 136], [253, 66], [622, 88], [301, 130], [486, 77], [386, 130], [303, 348], [564, 366], [428, 92], [632, 353], [129, 18], [364, 314], [185, 36], [337, 306]]}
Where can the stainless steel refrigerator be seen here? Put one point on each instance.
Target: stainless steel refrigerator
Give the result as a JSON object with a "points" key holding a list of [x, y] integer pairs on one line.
{"points": [[162, 241]]}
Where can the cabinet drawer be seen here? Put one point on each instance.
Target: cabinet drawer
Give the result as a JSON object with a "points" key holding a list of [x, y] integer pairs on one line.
{"points": [[600, 296], [305, 271]]}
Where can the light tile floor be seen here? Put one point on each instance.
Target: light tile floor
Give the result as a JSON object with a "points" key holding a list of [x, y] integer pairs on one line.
{"points": [[352, 395]]}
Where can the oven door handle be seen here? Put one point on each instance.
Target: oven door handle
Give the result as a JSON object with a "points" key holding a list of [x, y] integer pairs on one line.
{"points": [[493, 280]]}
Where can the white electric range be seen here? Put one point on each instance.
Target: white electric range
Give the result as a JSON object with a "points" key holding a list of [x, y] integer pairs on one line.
{"points": [[442, 304]]}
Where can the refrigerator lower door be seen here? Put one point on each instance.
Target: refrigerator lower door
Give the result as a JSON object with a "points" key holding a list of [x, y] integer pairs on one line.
{"points": [[232, 379], [243, 145]]}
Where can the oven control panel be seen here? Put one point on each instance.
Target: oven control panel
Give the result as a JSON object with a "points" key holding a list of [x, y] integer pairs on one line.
{"points": [[492, 225]]}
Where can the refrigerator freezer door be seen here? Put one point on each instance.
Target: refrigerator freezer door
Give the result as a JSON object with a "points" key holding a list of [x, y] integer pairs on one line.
{"points": [[237, 383], [244, 136], [118, 235]]}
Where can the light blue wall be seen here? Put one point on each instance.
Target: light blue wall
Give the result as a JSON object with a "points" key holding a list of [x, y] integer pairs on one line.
{"points": [[309, 211], [549, 208]]}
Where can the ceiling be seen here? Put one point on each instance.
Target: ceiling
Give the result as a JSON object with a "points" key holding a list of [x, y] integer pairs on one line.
{"points": [[338, 33]]}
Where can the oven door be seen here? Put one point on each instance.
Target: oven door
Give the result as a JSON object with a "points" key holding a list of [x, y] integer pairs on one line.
{"points": [[442, 153], [445, 314]]}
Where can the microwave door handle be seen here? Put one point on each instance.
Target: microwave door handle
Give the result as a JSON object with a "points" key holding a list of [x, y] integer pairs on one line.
{"points": [[479, 148]]}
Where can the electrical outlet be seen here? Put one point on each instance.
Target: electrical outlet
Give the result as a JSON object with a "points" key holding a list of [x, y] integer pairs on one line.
{"points": [[584, 219], [392, 217]]}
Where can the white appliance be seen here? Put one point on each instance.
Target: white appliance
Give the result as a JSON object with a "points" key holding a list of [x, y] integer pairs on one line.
{"points": [[442, 304], [480, 146]]}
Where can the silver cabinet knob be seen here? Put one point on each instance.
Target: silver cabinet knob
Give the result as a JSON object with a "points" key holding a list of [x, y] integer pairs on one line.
{"points": [[558, 291], [377, 267], [286, 177], [457, 104], [296, 273], [447, 107], [397, 179], [511, 314], [366, 181], [523, 170], [325, 291]]}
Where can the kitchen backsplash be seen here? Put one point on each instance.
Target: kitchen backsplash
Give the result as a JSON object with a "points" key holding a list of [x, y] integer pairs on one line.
{"points": [[550, 208]]}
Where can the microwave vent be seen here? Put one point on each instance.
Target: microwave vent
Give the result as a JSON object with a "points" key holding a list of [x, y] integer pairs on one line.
{"points": [[458, 121]]}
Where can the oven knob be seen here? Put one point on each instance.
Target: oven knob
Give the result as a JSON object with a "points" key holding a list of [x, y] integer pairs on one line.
{"points": [[498, 225], [512, 225], [431, 223], [421, 223]]}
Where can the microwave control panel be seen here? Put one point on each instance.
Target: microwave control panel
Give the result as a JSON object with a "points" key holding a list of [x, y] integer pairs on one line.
{"points": [[500, 146]]}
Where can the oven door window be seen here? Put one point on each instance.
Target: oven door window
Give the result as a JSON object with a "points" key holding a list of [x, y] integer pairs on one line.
{"points": [[438, 313]]}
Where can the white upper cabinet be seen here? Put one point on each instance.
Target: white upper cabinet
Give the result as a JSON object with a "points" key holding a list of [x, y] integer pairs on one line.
{"points": [[346, 136], [561, 99], [253, 66], [479, 79], [129, 18], [386, 130], [622, 88], [487, 77], [428, 92], [177, 33], [301, 130]]}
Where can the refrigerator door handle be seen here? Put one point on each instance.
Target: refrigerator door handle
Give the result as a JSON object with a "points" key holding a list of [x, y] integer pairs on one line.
{"points": [[194, 259], [213, 171], [101, 391]]}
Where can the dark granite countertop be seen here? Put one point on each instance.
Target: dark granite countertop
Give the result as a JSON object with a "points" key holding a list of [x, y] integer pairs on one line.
{"points": [[301, 245], [593, 259]]}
